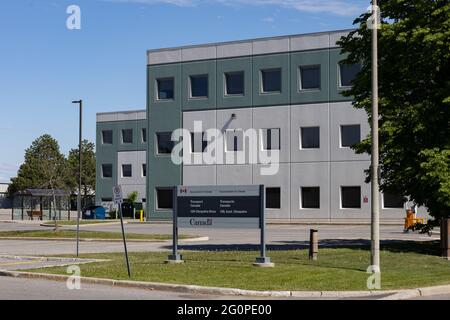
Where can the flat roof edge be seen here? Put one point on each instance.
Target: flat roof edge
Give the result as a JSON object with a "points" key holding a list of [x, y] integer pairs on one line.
{"points": [[212, 44]]}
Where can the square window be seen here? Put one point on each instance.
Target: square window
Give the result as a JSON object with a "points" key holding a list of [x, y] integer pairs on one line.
{"points": [[234, 83], [127, 136], [165, 88], [350, 135], [107, 137], [235, 140], [144, 135], [310, 137], [144, 170], [273, 198], [164, 198], [310, 78], [348, 73], [198, 142], [127, 171], [271, 139], [393, 201], [351, 197], [107, 170], [271, 80], [310, 197], [165, 143], [199, 86]]}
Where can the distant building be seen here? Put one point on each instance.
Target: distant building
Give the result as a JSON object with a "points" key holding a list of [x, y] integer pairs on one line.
{"points": [[5, 203], [121, 149]]}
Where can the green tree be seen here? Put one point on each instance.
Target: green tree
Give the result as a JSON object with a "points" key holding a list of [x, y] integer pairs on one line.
{"points": [[44, 167], [414, 87], [88, 168]]}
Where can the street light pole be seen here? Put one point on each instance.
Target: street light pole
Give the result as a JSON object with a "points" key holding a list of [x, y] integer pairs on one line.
{"points": [[375, 207], [80, 102]]}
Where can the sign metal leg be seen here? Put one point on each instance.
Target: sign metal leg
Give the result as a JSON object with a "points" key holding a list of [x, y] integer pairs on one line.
{"points": [[263, 260], [175, 257]]}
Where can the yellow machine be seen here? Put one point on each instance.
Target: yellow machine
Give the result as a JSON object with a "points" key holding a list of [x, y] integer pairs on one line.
{"points": [[411, 219]]}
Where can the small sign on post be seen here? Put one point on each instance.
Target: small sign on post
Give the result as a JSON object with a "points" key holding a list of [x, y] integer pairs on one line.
{"points": [[118, 200]]}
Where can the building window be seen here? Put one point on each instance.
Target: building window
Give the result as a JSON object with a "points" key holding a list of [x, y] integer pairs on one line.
{"points": [[310, 137], [234, 83], [107, 137], [127, 136], [198, 142], [199, 86], [348, 73], [107, 170], [393, 201], [144, 135], [351, 197], [127, 171], [310, 197], [165, 88], [235, 140], [106, 199], [310, 77], [164, 198], [271, 80], [350, 135], [273, 198], [165, 143], [144, 170], [271, 139]]}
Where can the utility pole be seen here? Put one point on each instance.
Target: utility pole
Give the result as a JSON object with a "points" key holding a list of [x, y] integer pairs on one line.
{"points": [[375, 207], [80, 102]]}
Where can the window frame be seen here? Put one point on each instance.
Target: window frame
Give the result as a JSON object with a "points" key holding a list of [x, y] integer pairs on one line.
{"points": [[157, 153], [103, 171], [301, 138], [341, 136], [225, 83], [158, 91], [279, 200], [339, 78], [123, 171], [157, 208], [261, 81], [122, 136], [302, 198], [191, 97], [262, 139], [341, 193], [112, 137], [300, 78]]}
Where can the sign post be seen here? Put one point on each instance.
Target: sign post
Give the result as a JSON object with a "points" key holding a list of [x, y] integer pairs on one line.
{"points": [[118, 200], [175, 257], [220, 207]]}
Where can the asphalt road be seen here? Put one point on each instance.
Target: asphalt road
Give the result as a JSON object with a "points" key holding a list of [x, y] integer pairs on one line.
{"points": [[32, 289], [278, 236]]}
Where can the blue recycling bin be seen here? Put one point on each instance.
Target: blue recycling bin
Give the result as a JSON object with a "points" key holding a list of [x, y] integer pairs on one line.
{"points": [[94, 212]]}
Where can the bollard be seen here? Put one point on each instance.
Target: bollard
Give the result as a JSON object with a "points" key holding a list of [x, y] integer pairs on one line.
{"points": [[313, 244], [445, 238]]}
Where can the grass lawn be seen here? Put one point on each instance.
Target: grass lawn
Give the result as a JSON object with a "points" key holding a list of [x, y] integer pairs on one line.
{"points": [[74, 222], [405, 265], [87, 234]]}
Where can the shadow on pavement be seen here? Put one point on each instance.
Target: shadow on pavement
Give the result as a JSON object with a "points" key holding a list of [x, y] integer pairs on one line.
{"points": [[405, 246]]}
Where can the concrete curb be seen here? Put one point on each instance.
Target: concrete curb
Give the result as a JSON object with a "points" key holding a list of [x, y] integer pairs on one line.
{"points": [[82, 225], [194, 289], [102, 240]]}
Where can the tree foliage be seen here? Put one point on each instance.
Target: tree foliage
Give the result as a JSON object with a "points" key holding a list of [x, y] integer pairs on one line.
{"points": [[88, 168], [44, 167], [414, 88]]}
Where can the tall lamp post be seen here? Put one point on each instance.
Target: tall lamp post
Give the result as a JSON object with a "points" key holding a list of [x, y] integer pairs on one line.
{"points": [[375, 207], [80, 103]]}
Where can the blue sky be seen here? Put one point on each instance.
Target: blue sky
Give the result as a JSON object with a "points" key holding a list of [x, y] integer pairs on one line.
{"points": [[44, 66]]}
